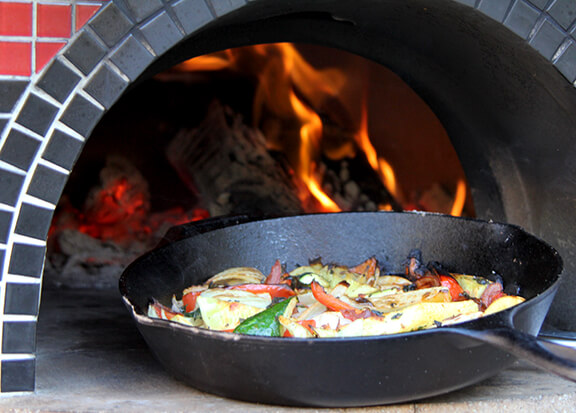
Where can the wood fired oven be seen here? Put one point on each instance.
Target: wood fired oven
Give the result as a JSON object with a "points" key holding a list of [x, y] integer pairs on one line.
{"points": [[499, 75]]}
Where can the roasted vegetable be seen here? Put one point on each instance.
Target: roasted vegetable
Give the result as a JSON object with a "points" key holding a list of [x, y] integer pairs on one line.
{"points": [[318, 300]]}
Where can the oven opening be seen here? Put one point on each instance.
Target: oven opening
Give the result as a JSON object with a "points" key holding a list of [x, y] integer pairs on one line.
{"points": [[263, 130]]}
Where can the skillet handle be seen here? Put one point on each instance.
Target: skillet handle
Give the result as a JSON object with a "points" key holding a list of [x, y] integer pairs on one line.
{"points": [[555, 358]]}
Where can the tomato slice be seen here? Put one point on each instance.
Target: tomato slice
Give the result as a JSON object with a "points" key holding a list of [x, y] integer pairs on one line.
{"points": [[275, 290], [456, 292], [189, 300]]}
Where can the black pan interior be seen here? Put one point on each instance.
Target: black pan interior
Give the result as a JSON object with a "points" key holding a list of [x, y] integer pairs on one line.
{"points": [[527, 265]]}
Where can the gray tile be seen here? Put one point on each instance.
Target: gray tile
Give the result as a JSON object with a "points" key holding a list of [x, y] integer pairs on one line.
{"points": [[21, 299], [85, 52], [19, 149], [192, 14], [106, 86], [18, 375], [19, 337], [33, 222], [28, 259], [522, 18], [37, 114], [10, 91], [62, 149], [132, 57], [11, 184], [5, 224], [566, 63], [47, 184], [140, 9], [3, 123], [81, 115], [548, 38], [58, 80], [111, 24], [541, 4], [161, 33], [222, 7], [495, 8], [564, 12]]}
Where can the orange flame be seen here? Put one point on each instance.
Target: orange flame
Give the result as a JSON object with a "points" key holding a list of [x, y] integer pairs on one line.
{"points": [[459, 198]]}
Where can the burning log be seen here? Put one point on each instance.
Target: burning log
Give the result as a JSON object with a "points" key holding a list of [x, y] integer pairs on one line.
{"points": [[230, 165]]}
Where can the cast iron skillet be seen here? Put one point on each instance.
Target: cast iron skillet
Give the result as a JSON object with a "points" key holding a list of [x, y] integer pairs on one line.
{"points": [[348, 371]]}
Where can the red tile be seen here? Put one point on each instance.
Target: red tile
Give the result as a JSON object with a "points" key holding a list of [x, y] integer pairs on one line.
{"points": [[54, 20], [45, 51], [84, 13], [16, 19], [16, 58]]}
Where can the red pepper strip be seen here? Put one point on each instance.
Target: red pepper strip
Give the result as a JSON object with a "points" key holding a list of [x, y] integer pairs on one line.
{"points": [[287, 334], [456, 292], [491, 294], [189, 300], [308, 325], [275, 290], [275, 275], [328, 300]]}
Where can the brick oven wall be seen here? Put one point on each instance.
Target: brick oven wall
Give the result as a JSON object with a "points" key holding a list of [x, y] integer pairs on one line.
{"points": [[64, 63]]}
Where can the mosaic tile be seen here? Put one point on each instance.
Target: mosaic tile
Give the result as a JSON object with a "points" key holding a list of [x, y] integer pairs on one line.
{"points": [[28, 259], [566, 62], [5, 223], [161, 33], [132, 58], [47, 184], [20, 63], [34, 222], [22, 299], [11, 185], [19, 149], [111, 24], [192, 14], [522, 18], [37, 114], [18, 375], [10, 90], [45, 52], [140, 9], [58, 80], [54, 20], [222, 7], [85, 52], [548, 38], [106, 86], [81, 115], [19, 337], [62, 149], [84, 12], [495, 9], [20, 21], [564, 12]]}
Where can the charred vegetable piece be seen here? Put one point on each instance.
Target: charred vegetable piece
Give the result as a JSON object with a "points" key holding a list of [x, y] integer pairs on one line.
{"points": [[266, 322]]}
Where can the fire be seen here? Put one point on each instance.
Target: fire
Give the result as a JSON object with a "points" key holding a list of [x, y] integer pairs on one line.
{"points": [[290, 101]]}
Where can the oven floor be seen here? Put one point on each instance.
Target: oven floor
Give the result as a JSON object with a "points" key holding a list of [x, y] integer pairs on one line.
{"points": [[91, 358]]}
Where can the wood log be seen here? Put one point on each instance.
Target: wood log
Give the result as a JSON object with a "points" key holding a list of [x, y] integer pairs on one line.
{"points": [[230, 166]]}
